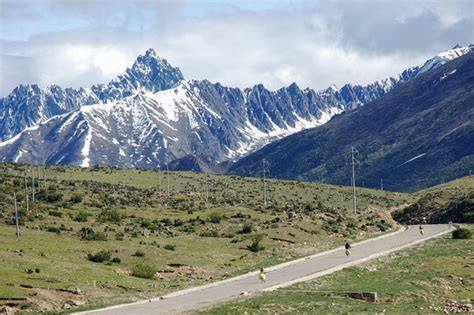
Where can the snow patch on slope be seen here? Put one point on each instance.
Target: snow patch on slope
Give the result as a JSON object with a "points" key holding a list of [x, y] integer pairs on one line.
{"points": [[86, 148], [442, 58]]}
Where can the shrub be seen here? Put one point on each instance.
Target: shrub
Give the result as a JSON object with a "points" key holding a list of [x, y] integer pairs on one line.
{"points": [[119, 236], [352, 224], [55, 213], [112, 216], [81, 216], [116, 260], [384, 226], [147, 224], [247, 228], [170, 247], [255, 246], [144, 271], [101, 256], [189, 229], [76, 198], [167, 221], [49, 197], [88, 234], [139, 253], [215, 217], [53, 229], [462, 233], [209, 233]]}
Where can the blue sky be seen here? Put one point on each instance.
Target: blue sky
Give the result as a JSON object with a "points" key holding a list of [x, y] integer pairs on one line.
{"points": [[238, 43]]}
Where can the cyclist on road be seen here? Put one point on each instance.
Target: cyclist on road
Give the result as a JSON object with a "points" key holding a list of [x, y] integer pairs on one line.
{"points": [[348, 248], [261, 275]]}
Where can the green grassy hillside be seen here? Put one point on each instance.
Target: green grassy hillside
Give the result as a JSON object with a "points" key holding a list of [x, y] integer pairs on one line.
{"points": [[95, 236], [453, 201]]}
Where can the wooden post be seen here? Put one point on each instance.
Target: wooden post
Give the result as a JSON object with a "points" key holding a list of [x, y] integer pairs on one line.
{"points": [[16, 218], [44, 175], [26, 194], [39, 179], [32, 184]]}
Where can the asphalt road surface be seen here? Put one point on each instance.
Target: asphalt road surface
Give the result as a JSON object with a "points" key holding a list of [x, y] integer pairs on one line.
{"points": [[277, 276]]}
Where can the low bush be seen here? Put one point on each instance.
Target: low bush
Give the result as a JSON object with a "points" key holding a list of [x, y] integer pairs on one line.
{"points": [[247, 228], [116, 260], [170, 247], [49, 197], [215, 217], [88, 234], [81, 216], [255, 246], [144, 271], [76, 198], [111, 216], [101, 256], [462, 233], [55, 213], [139, 253], [209, 233]]}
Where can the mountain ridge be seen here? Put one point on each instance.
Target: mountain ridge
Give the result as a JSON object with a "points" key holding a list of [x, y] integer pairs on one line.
{"points": [[214, 120], [412, 137]]}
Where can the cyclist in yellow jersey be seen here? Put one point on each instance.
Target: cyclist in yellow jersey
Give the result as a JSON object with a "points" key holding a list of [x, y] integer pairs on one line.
{"points": [[348, 248], [261, 275]]}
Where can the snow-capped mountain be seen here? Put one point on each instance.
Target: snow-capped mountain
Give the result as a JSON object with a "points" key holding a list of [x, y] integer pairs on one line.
{"points": [[151, 115], [448, 55], [29, 105], [146, 129]]}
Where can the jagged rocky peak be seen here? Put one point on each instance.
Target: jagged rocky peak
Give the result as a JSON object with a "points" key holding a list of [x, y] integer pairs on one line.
{"points": [[151, 67], [149, 72]]}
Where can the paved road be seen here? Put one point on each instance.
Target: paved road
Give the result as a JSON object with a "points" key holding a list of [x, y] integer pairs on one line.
{"points": [[278, 276]]}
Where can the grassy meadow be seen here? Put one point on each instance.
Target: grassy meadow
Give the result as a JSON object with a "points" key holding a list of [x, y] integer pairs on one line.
{"points": [[103, 236]]}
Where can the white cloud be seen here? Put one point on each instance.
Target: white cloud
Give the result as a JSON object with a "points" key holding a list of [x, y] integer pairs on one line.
{"points": [[316, 46]]}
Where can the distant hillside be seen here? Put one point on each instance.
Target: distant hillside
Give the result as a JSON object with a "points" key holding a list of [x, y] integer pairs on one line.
{"points": [[416, 136], [453, 201]]}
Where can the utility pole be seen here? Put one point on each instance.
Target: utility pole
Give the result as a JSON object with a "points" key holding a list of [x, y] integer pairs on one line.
{"points": [[168, 178], [159, 179], [44, 175], [44, 170], [381, 184], [354, 200], [32, 184], [26, 194], [207, 191], [265, 166], [16, 218], [39, 178]]}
